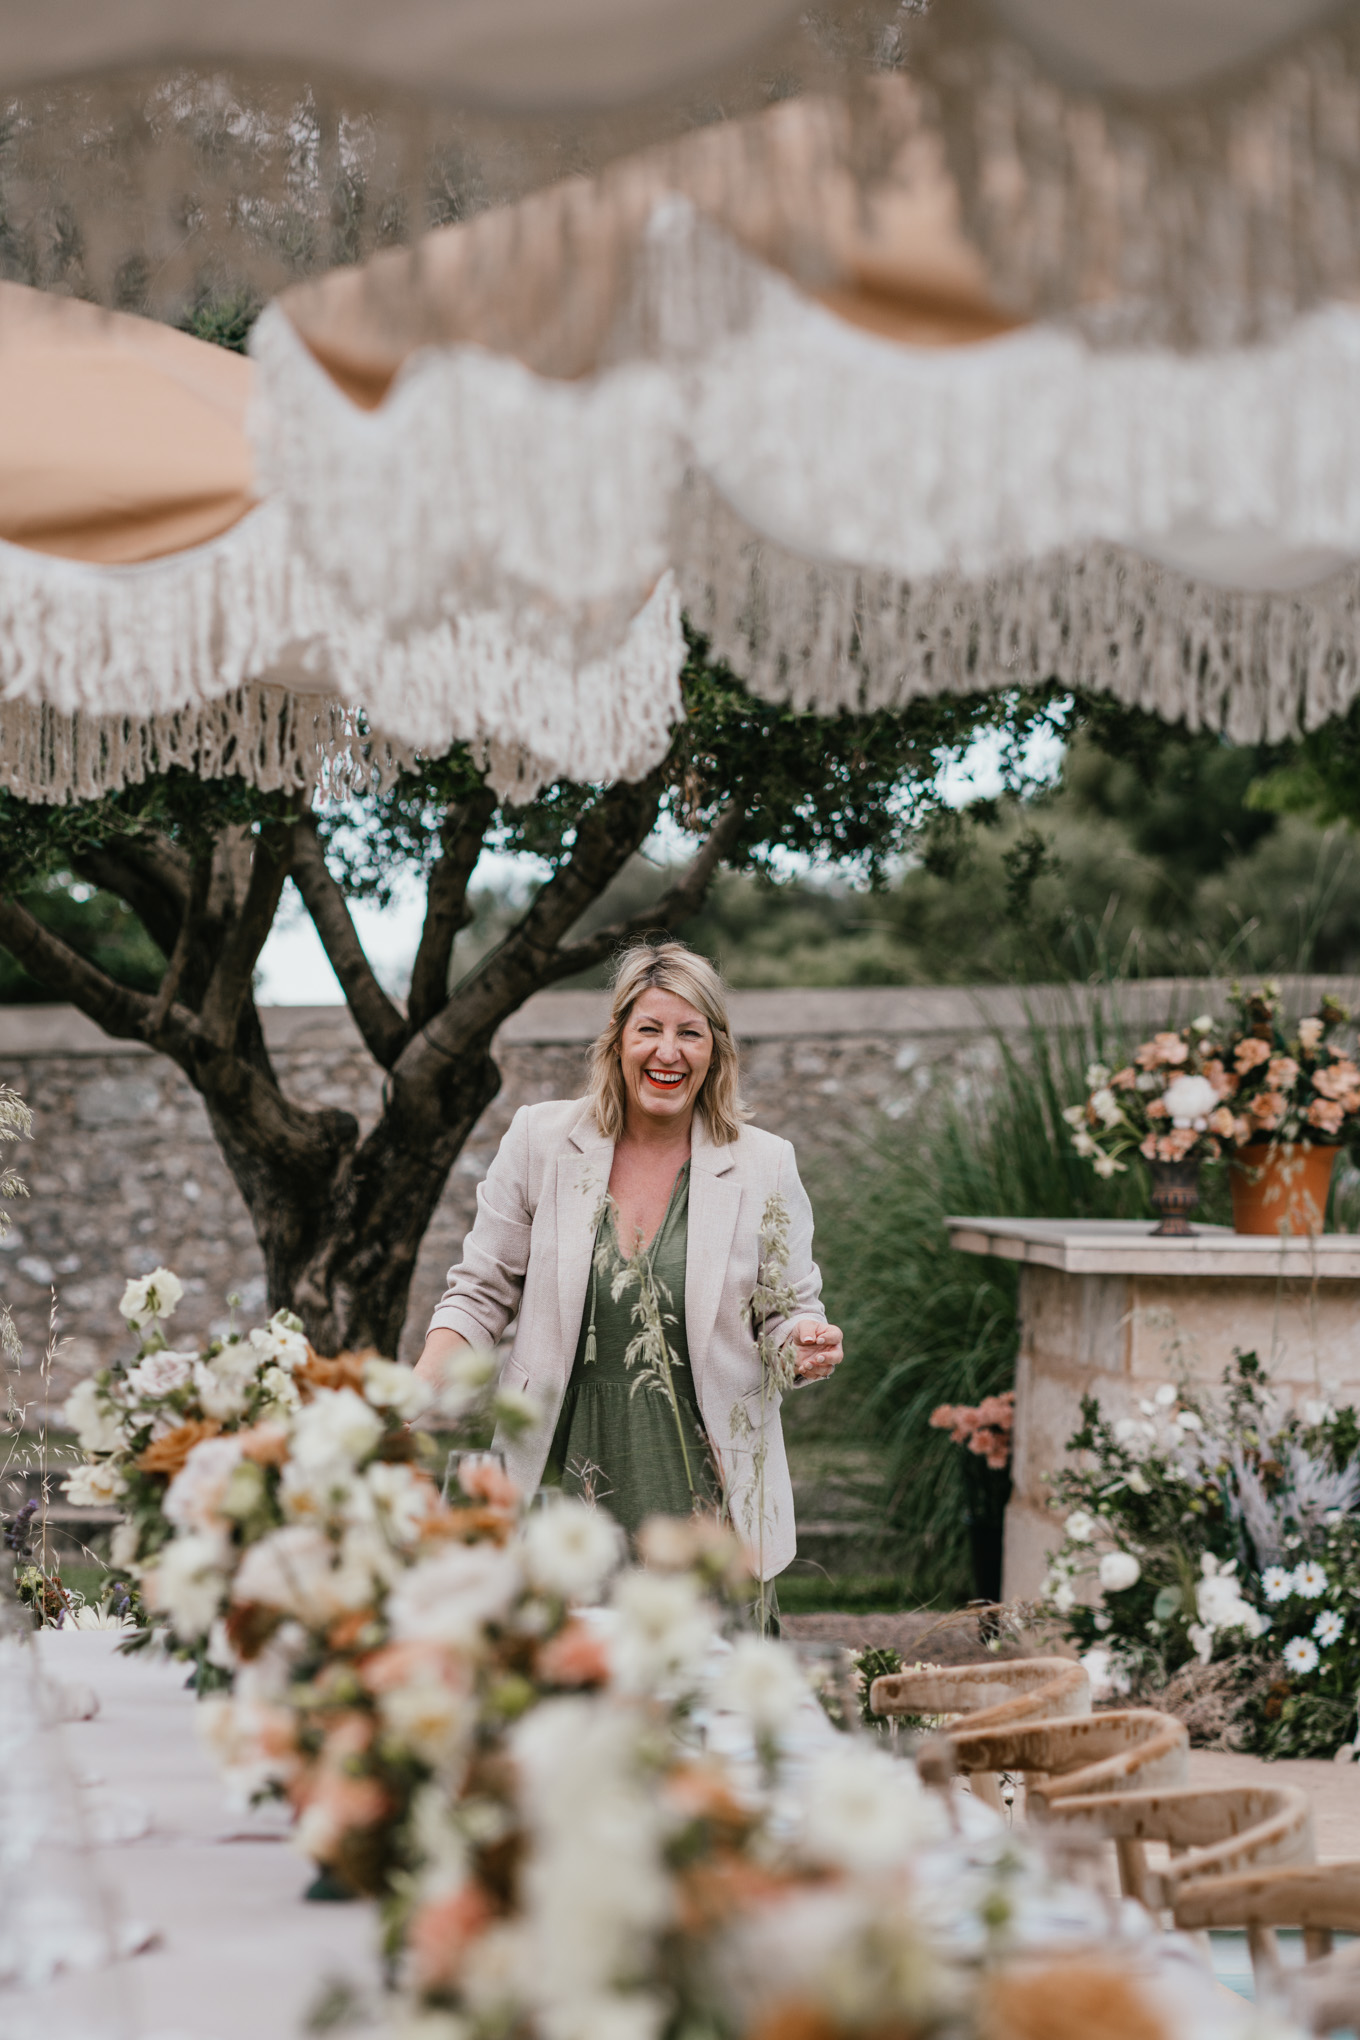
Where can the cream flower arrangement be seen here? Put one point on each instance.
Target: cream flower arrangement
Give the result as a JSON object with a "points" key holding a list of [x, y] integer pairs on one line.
{"points": [[1162, 1105]]}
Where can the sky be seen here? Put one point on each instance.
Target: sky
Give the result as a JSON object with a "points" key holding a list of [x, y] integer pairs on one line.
{"points": [[294, 969]]}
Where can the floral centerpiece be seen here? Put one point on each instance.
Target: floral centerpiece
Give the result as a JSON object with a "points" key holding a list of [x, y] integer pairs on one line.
{"points": [[1163, 1105], [209, 1451], [1210, 1556]]}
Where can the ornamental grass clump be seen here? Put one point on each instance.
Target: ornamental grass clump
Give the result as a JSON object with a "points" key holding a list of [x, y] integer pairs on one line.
{"points": [[1212, 1548], [926, 1325]]}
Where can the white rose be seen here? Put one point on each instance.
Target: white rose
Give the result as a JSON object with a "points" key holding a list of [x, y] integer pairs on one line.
{"points": [[1107, 1108], [1201, 1636], [1085, 1145], [298, 1569], [571, 1549], [123, 1544], [282, 1341], [95, 1424], [429, 1716], [1097, 1073], [1075, 1115], [1080, 1526], [866, 1813], [187, 1583], [1064, 1597], [221, 1392], [151, 1296], [448, 1598], [761, 1681], [96, 1486], [161, 1374], [664, 1630], [1165, 1395], [516, 1409], [193, 1500], [282, 1391], [1118, 1571], [468, 1373], [334, 1431], [402, 1496], [1108, 1676], [392, 1387], [1190, 1100]]}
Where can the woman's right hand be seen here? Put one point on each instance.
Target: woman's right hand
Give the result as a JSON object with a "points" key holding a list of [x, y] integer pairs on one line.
{"points": [[440, 1343]]}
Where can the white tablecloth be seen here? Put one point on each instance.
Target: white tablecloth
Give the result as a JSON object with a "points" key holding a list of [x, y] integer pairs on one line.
{"points": [[239, 1955]]}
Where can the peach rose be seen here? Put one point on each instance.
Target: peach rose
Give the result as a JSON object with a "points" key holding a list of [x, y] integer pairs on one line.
{"points": [[1250, 1054], [1326, 1114], [1338, 1078], [1125, 1079], [1156, 1108], [574, 1657], [1267, 1108], [1223, 1081], [441, 1933], [482, 1480], [1282, 1073], [1163, 1051], [1222, 1123]]}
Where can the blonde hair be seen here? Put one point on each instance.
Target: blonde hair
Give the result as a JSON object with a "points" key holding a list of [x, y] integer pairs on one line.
{"points": [[668, 967]]}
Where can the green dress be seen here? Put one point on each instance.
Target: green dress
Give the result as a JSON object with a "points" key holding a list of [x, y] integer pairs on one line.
{"points": [[630, 1434]]}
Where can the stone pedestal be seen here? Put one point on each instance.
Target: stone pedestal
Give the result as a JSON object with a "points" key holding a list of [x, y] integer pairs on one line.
{"points": [[1108, 1308]]}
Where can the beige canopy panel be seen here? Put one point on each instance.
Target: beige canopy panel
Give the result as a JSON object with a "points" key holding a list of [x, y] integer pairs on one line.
{"points": [[152, 611], [519, 55], [874, 483]]}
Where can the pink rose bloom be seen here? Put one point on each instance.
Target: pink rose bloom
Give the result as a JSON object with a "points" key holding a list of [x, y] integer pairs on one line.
{"points": [[1326, 1114], [1223, 1081], [1249, 1054], [1282, 1073], [1156, 1108], [1310, 1033], [1125, 1079], [1341, 1077], [1222, 1123], [1267, 1108]]}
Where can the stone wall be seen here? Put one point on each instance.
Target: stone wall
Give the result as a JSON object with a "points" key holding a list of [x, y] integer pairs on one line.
{"points": [[124, 1175]]}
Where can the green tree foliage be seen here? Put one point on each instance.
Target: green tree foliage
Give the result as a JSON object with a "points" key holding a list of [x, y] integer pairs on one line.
{"points": [[1152, 855]]}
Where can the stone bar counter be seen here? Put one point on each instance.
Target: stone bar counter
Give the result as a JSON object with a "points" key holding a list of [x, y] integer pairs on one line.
{"points": [[1107, 1307]]}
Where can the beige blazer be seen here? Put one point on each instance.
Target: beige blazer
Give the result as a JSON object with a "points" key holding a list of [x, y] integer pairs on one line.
{"points": [[529, 1253]]}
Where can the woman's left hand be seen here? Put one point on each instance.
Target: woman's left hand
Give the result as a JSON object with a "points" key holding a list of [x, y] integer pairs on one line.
{"points": [[817, 1348]]}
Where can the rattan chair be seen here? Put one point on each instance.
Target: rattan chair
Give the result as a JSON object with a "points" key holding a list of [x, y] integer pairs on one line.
{"points": [[991, 1695], [1211, 1833], [1321, 1899], [1120, 1749]]}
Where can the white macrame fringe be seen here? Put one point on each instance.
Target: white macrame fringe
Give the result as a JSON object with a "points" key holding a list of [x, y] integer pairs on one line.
{"points": [[1256, 667], [233, 658], [147, 639], [277, 740], [477, 485], [922, 461]]}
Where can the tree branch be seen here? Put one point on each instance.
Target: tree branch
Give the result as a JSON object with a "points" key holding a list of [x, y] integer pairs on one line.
{"points": [[379, 1021], [447, 910], [192, 927], [678, 905], [608, 834], [113, 1007], [229, 986], [151, 884]]}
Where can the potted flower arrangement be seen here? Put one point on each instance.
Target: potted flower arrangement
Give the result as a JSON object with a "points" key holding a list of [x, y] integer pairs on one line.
{"points": [[1165, 1106], [1294, 1094]]}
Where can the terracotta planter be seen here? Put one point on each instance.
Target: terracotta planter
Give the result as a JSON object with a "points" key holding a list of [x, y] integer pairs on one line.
{"points": [[1175, 1194], [1280, 1188]]}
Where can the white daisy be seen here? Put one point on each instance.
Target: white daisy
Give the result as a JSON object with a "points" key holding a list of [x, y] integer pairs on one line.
{"points": [[1329, 1628], [1310, 1580], [1277, 1582], [1300, 1655]]}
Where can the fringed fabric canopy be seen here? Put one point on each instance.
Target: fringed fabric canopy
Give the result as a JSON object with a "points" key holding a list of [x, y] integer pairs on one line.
{"points": [[156, 612]]}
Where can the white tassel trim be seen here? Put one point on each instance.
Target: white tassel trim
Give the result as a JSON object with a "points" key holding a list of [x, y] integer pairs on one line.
{"points": [[1257, 667], [475, 486]]}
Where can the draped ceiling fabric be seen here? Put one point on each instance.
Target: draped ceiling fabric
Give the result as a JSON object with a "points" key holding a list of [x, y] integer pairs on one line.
{"points": [[155, 612], [1182, 171], [885, 488], [154, 153]]}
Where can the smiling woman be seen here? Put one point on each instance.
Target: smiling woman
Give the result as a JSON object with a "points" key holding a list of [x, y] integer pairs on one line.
{"points": [[635, 1234]]}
